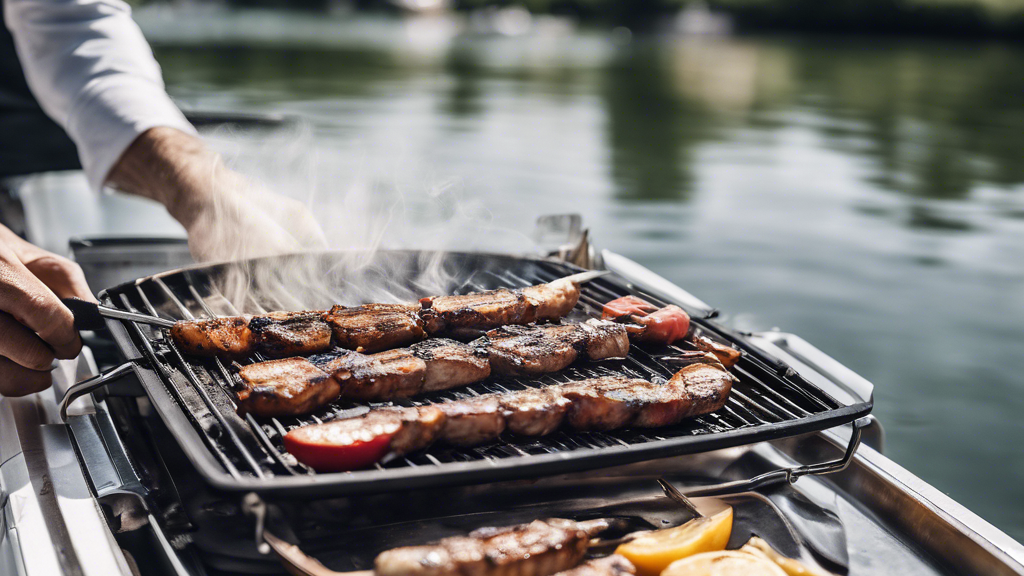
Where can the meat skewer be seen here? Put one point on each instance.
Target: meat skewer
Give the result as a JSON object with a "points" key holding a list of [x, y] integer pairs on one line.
{"points": [[292, 386], [540, 548], [701, 386], [551, 547], [377, 327]]}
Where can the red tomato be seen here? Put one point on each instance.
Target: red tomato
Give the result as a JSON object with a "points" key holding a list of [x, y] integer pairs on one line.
{"points": [[324, 455], [625, 307], [665, 326]]}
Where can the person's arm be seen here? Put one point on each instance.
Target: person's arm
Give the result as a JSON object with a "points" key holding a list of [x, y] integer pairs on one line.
{"points": [[92, 71], [90, 68]]}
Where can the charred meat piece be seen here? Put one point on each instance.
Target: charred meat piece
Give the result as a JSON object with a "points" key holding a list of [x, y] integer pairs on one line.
{"points": [[451, 364], [533, 412], [529, 350], [476, 311], [280, 334], [540, 548], [389, 374], [706, 382], [285, 387], [228, 337], [375, 327], [613, 565], [605, 340], [602, 403], [356, 443], [472, 421], [551, 301]]}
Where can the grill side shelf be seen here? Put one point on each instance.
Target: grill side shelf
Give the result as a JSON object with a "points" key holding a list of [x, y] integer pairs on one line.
{"points": [[195, 398]]}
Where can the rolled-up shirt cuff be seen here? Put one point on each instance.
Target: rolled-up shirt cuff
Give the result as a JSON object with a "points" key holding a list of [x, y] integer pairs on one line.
{"points": [[110, 113]]}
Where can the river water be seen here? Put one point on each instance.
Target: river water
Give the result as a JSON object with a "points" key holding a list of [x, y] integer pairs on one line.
{"points": [[866, 194]]}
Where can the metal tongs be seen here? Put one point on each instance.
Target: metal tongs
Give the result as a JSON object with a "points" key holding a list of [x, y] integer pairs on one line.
{"points": [[90, 315]]}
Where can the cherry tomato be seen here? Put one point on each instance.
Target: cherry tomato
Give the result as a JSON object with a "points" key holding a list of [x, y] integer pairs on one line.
{"points": [[665, 326], [322, 451], [625, 307]]}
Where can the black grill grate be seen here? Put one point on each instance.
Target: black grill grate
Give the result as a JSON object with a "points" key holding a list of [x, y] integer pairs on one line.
{"points": [[236, 452]]}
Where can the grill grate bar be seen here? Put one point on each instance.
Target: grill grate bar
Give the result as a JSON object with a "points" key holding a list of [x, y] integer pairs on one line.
{"points": [[223, 458]]}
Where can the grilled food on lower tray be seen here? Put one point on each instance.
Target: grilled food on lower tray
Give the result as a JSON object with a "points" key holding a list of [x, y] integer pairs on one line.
{"points": [[375, 327], [540, 548], [608, 403], [294, 385]]}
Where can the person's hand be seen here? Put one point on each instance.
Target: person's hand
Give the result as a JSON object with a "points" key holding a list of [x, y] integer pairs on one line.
{"points": [[35, 327], [227, 216], [240, 220]]}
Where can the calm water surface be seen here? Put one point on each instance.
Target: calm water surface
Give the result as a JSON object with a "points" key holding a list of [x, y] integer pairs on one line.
{"points": [[865, 194]]}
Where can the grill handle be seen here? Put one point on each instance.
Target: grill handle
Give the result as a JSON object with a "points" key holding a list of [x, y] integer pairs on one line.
{"points": [[86, 386]]}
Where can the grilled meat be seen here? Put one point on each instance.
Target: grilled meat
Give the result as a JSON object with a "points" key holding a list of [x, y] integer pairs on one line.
{"points": [[472, 421], [440, 364], [544, 349], [228, 337], [534, 412], [375, 327], [540, 548], [451, 363], [613, 565], [481, 311], [551, 301], [389, 374], [700, 387], [476, 311], [281, 334], [285, 387]]}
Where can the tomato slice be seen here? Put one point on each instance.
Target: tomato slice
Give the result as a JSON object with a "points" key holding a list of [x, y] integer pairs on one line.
{"points": [[324, 451], [625, 307], [665, 326]]}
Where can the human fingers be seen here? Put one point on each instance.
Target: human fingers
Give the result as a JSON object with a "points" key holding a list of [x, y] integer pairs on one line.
{"points": [[64, 277], [31, 303], [21, 345], [16, 380]]}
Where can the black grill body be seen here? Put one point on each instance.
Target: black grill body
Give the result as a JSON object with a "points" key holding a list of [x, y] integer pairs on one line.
{"points": [[195, 397]]}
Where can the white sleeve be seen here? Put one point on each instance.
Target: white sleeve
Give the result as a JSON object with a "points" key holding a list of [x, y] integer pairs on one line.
{"points": [[92, 71]]}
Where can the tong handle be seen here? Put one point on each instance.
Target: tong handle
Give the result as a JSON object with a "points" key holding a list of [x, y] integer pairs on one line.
{"points": [[90, 315]]}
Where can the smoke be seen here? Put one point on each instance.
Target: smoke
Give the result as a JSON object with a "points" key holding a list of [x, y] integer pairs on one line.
{"points": [[346, 215]]}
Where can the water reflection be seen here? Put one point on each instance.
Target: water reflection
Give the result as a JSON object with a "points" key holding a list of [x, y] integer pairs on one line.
{"points": [[865, 194]]}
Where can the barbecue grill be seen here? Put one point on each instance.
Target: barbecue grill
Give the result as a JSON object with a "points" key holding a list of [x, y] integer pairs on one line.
{"points": [[195, 396]]}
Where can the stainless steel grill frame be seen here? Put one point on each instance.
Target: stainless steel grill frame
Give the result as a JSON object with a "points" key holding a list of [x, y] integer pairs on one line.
{"points": [[195, 397]]}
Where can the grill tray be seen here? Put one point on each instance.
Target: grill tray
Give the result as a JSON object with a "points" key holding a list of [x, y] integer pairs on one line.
{"points": [[194, 396]]}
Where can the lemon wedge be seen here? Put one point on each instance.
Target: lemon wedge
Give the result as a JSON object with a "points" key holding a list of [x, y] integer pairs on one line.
{"points": [[723, 563], [653, 552]]}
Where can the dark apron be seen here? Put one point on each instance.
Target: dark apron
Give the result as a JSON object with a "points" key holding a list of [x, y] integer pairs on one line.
{"points": [[29, 140]]}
